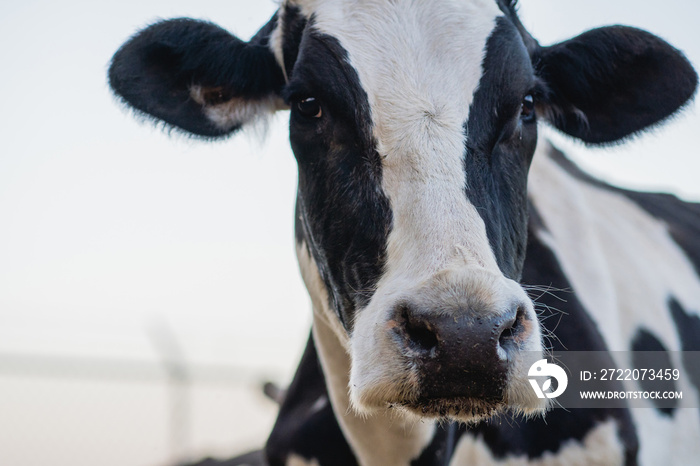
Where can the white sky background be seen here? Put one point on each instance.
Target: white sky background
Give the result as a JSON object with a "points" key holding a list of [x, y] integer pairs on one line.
{"points": [[109, 227]]}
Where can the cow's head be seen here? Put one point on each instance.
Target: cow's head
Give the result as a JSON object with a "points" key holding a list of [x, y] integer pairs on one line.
{"points": [[413, 124]]}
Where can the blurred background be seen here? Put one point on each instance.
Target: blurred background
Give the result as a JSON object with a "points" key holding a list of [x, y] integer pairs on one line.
{"points": [[148, 284]]}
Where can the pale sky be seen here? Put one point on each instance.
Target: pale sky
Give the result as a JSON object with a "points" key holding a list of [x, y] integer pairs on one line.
{"points": [[110, 227]]}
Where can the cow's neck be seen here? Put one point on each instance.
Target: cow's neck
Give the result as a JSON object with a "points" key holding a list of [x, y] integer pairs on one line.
{"points": [[385, 438]]}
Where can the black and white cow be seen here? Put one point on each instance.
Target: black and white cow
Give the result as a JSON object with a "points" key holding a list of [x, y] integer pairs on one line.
{"points": [[425, 209]]}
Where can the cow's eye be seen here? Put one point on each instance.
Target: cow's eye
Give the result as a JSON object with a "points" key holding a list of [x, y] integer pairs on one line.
{"points": [[309, 108], [527, 108]]}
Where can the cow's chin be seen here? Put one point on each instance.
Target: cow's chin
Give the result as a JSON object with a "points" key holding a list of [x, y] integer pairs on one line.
{"points": [[468, 410]]}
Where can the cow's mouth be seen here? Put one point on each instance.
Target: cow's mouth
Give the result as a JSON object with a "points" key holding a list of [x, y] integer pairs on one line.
{"points": [[461, 408]]}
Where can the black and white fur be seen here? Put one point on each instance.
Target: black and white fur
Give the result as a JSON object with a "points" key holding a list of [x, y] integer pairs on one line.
{"points": [[414, 125]]}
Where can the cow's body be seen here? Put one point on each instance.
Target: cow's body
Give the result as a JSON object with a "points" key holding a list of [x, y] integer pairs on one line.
{"points": [[433, 269]]}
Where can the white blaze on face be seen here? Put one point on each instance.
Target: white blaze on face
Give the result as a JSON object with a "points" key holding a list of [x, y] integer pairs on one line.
{"points": [[420, 63]]}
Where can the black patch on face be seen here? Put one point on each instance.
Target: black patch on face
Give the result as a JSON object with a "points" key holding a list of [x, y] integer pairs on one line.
{"points": [[342, 214], [643, 343], [500, 145]]}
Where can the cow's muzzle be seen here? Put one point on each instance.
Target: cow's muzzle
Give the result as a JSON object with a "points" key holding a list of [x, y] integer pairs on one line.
{"points": [[462, 357], [456, 346]]}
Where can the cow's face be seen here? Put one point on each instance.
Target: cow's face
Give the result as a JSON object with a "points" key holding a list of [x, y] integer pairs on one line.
{"points": [[413, 144], [413, 124]]}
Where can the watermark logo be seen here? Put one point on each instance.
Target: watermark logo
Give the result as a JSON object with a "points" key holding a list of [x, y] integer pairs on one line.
{"points": [[542, 368]]}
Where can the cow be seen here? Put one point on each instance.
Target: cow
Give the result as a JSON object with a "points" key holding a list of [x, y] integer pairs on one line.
{"points": [[438, 239]]}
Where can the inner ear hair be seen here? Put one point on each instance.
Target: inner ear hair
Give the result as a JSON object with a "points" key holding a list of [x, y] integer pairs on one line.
{"points": [[210, 95], [229, 113]]}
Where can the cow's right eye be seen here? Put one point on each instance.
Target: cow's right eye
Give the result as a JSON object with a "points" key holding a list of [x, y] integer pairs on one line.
{"points": [[309, 108], [527, 108]]}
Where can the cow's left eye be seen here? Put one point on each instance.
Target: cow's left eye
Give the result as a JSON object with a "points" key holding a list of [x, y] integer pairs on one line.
{"points": [[527, 108], [309, 108]]}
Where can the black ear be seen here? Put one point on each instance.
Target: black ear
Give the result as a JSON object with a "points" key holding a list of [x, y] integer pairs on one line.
{"points": [[195, 76], [612, 82]]}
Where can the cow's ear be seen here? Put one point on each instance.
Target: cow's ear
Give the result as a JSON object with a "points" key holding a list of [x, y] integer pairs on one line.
{"points": [[612, 82], [197, 77]]}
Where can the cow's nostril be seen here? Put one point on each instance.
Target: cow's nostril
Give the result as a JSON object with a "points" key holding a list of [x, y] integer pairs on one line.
{"points": [[512, 329], [419, 335]]}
